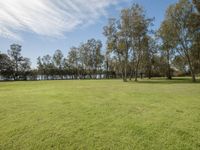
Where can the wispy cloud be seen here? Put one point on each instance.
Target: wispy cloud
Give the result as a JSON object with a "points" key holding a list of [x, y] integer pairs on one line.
{"points": [[48, 17]]}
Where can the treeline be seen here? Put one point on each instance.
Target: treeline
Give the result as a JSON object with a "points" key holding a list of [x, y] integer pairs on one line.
{"points": [[133, 50], [85, 61]]}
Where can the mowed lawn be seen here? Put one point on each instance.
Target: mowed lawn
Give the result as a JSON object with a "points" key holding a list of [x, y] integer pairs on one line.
{"points": [[100, 114]]}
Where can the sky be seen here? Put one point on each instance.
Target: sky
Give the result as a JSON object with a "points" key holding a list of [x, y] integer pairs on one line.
{"points": [[43, 26]]}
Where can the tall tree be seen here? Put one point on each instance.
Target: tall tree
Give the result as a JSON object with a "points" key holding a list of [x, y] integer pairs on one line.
{"points": [[150, 50], [20, 64], [45, 65], [195, 29], [73, 60], [179, 15], [94, 54], [139, 27], [114, 43], [58, 59], [6, 66], [25, 67], [124, 36], [168, 43], [15, 55]]}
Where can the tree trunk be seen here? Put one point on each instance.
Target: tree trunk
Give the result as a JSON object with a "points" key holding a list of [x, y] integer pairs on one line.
{"points": [[149, 73], [193, 76], [185, 49], [136, 71], [191, 68], [131, 75], [138, 61], [125, 72], [192, 72], [169, 77], [132, 70], [149, 67], [126, 62]]}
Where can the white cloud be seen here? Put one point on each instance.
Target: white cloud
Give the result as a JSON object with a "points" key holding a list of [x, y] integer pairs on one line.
{"points": [[48, 17]]}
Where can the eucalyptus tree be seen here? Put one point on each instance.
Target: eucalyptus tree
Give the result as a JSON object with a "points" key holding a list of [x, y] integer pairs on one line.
{"points": [[124, 29], [73, 61], [6, 66], [40, 66], [180, 63], [107, 63], [95, 55], [58, 59], [139, 28], [179, 15], [126, 38], [114, 43], [195, 29], [46, 66], [16, 57], [150, 48], [195, 17], [98, 56], [169, 43], [20, 64], [118, 43], [25, 67], [83, 58]]}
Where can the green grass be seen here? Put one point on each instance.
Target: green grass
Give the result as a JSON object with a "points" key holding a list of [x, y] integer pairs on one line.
{"points": [[100, 114]]}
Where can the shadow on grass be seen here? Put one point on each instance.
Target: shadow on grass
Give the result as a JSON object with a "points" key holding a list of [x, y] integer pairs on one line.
{"points": [[165, 81]]}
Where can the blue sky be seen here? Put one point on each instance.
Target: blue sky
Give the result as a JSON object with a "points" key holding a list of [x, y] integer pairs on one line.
{"points": [[42, 26]]}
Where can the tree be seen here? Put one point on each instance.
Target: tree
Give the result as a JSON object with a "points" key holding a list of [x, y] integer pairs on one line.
{"points": [[98, 61], [58, 59], [40, 66], [195, 17], [179, 15], [15, 55], [73, 60], [180, 63], [25, 67], [139, 27], [150, 50], [94, 56], [20, 64], [6, 66], [90, 58], [114, 43], [46, 66], [195, 29], [169, 43], [124, 39]]}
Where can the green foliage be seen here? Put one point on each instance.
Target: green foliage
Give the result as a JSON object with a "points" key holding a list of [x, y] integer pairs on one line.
{"points": [[14, 65], [6, 66], [178, 22], [126, 39]]}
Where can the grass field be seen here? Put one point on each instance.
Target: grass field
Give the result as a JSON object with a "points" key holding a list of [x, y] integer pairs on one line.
{"points": [[100, 114]]}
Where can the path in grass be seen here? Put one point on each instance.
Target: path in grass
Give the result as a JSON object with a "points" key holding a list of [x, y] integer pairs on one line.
{"points": [[106, 114]]}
